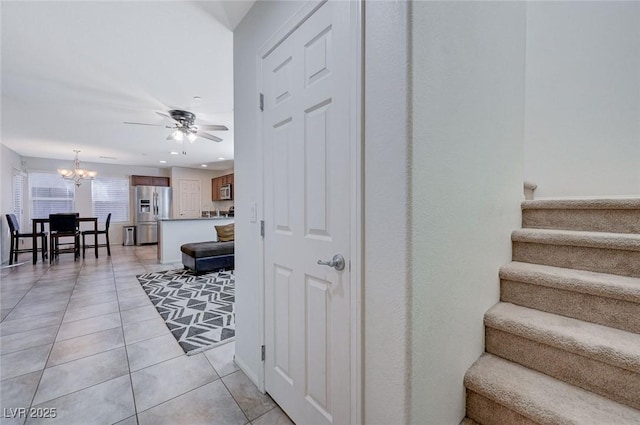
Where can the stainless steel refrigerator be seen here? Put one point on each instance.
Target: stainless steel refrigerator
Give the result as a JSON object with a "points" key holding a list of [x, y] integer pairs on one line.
{"points": [[152, 203]]}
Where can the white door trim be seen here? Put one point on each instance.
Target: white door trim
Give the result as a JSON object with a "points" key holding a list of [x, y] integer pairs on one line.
{"points": [[356, 141]]}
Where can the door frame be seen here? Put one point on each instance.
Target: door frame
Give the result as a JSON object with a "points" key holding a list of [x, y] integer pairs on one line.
{"points": [[356, 141]]}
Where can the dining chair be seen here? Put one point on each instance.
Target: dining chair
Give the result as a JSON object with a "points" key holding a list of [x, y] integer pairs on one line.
{"points": [[64, 226], [92, 232], [16, 235]]}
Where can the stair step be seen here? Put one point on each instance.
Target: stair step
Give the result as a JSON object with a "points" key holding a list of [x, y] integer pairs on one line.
{"points": [[535, 398], [613, 253], [606, 299], [467, 421], [597, 215], [594, 357], [602, 240], [583, 204]]}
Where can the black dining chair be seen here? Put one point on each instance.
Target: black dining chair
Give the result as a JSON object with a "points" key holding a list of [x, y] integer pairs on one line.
{"points": [[92, 232], [64, 226], [16, 235]]}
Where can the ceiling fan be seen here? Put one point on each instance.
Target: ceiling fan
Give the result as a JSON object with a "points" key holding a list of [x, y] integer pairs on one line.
{"points": [[185, 127]]}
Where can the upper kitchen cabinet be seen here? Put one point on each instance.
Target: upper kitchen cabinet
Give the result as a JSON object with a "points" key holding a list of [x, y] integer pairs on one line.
{"points": [[150, 181], [215, 188], [217, 184]]}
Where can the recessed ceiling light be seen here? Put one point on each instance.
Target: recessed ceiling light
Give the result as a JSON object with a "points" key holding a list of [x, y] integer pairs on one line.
{"points": [[162, 161], [174, 153], [203, 165], [196, 98], [221, 158]]}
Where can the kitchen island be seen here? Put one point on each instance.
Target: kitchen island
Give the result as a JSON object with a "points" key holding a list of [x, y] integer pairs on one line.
{"points": [[174, 232]]}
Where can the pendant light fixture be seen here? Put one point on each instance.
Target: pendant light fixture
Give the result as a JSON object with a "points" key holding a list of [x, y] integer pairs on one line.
{"points": [[77, 174]]}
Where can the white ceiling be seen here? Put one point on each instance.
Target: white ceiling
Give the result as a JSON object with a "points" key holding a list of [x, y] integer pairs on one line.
{"points": [[73, 72]]}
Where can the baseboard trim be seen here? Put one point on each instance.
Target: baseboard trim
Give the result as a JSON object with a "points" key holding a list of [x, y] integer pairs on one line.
{"points": [[249, 372]]}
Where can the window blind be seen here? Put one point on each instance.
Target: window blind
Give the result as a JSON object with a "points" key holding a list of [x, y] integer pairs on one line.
{"points": [[18, 198], [50, 194], [110, 195]]}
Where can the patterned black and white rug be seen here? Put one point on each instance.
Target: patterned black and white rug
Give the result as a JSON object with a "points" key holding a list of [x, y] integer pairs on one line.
{"points": [[198, 310]]}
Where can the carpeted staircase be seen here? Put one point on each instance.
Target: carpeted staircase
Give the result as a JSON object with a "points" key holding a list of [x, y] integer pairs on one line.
{"points": [[563, 345]]}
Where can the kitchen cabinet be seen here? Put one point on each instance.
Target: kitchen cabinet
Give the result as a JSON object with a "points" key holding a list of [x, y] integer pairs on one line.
{"points": [[161, 181], [150, 181], [215, 189], [217, 183]]}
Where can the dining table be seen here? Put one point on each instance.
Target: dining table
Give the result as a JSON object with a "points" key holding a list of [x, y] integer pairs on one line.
{"points": [[42, 221]]}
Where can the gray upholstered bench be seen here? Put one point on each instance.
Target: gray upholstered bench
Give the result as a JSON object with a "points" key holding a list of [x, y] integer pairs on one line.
{"points": [[203, 257]]}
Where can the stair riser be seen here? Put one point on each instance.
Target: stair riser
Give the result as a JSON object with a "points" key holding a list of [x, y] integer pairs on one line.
{"points": [[613, 221], [620, 385], [614, 261], [610, 312], [488, 412]]}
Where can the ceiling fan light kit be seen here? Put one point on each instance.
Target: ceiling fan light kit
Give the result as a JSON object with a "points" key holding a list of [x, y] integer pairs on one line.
{"points": [[77, 174], [185, 128], [177, 136]]}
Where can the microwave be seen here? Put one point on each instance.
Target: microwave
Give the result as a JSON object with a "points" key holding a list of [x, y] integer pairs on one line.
{"points": [[225, 191]]}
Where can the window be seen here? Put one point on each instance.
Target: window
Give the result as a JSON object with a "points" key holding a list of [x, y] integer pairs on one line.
{"points": [[50, 194], [110, 195], [18, 198]]}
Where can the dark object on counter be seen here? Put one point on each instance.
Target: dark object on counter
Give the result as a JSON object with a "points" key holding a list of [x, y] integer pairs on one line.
{"points": [[203, 257], [231, 211]]}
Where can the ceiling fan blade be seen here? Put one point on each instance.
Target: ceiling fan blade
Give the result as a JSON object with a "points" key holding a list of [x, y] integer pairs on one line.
{"points": [[142, 123], [211, 127], [164, 115], [210, 137]]}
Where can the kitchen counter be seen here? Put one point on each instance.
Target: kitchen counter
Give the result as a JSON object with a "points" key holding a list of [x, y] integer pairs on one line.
{"points": [[174, 232]]}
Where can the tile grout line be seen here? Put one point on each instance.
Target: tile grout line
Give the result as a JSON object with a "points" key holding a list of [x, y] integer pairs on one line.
{"points": [[270, 410], [26, 292], [27, 348], [231, 394], [54, 339], [87, 318], [95, 384], [84, 357], [124, 339]]}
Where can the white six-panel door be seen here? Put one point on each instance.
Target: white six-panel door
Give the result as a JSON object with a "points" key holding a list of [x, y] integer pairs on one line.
{"points": [[307, 164], [189, 198]]}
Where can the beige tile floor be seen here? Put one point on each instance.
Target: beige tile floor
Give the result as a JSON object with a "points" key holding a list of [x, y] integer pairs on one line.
{"points": [[83, 338]]}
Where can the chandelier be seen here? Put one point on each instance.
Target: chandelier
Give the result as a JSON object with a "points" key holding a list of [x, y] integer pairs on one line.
{"points": [[77, 174]]}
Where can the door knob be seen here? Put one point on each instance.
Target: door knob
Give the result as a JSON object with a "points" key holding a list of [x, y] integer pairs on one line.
{"points": [[337, 262]]}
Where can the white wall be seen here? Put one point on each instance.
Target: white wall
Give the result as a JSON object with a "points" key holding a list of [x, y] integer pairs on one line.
{"points": [[262, 21], [468, 66], [386, 292], [583, 98], [9, 161]]}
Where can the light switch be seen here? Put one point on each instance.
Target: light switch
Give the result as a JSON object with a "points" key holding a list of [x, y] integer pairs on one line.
{"points": [[254, 212]]}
